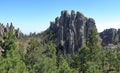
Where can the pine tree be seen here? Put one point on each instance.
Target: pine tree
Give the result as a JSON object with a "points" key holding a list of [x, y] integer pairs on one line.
{"points": [[32, 54], [87, 53], [46, 63], [93, 45], [80, 60], [65, 68], [92, 67], [11, 62]]}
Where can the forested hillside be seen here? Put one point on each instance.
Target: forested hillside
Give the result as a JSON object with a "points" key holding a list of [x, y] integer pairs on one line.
{"points": [[70, 45]]}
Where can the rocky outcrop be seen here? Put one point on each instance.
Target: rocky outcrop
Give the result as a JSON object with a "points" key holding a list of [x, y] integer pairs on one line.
{"points": [[112, 46], [7, 28], [110, 39], [118, 32], [71, 30], [110, 36]]}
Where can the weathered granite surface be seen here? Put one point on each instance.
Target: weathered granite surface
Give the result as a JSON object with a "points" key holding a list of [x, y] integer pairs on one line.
{"points": [[72, 30]]}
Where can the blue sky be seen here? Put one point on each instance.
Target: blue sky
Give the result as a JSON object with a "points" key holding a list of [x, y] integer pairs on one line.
{"points": [[35, 15]]}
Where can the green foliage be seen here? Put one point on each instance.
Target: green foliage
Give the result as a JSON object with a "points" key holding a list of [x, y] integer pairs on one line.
{"points": [[91, 67], [87, 53], [93, 44], [64, 68], [112, 60], [9, 42], [45, 65], [12, 61], [33, 52], [43, 59], [80, 60], [93, 40], [51, 50]]}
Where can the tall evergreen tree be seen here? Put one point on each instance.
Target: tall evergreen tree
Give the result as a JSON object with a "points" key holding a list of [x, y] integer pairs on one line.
{"points": [[65, 68], [12, 61], [32, 54], [46, 63], [93, 45]]}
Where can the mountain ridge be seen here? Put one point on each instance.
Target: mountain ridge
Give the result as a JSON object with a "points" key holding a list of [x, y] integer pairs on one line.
{"points": [[69, 32], [69, 21]]}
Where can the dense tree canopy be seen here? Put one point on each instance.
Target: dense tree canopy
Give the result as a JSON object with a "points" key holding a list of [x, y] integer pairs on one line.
{"points": [[43, 58]]}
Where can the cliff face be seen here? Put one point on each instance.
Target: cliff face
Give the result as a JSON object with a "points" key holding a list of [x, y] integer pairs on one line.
{"points": [[110, 38], [7, 28], [72, 30]]}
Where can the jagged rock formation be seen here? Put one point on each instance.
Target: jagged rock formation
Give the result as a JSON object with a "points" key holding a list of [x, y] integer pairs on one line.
{"points": [[110, 36], [71, 30], [110, 39], [7, 28]]}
